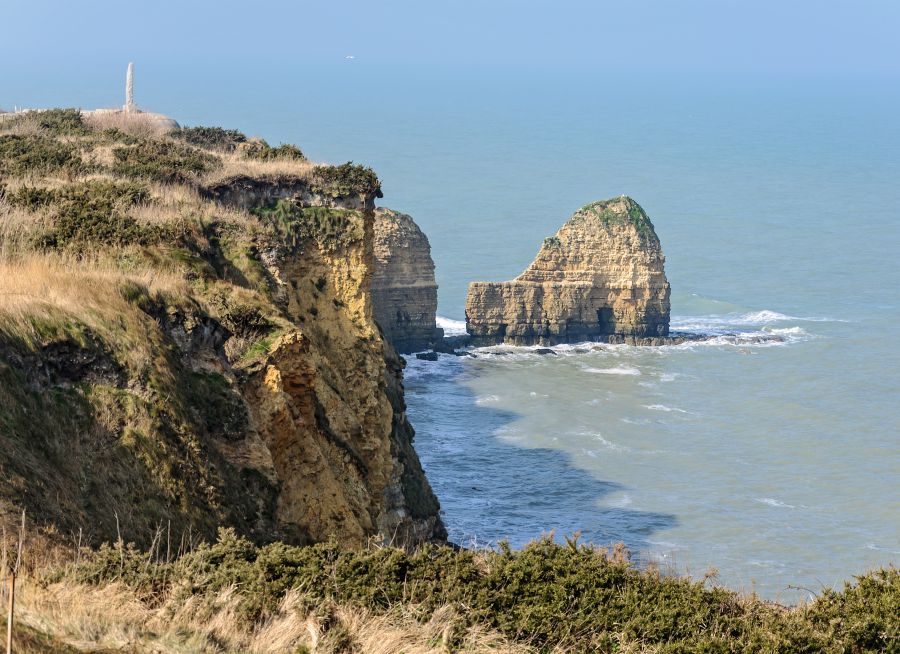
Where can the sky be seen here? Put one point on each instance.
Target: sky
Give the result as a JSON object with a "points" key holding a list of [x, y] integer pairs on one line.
{"points": [[758, 37]]}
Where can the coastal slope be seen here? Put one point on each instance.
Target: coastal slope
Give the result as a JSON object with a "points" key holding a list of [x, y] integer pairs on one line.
{"points": [[187, 342]]}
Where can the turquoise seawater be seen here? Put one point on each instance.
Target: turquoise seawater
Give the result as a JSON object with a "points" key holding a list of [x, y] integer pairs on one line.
{"points": [[777, 202]]}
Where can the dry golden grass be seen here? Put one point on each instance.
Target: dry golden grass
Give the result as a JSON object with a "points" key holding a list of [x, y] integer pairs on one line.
{"points": [[113, 619], [71, 284], [19, 124], [177, 203], [235, 165], [55, 290], [17, 227], [145, 125]]}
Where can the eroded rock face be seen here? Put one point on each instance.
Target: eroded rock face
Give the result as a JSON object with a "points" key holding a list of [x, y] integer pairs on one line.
{"points": [[327, 403], [601, 275], [404, 293]]}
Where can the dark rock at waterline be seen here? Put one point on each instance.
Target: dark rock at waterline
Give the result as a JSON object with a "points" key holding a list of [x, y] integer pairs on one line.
{"points": [[545, 350], [427, 356]]}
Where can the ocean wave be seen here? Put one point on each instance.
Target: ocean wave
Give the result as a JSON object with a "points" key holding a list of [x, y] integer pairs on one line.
{"points": [[615, 447], [451, 327], [725, 321], [663, 407], [618, 370], [487, 399], [770, 501]]}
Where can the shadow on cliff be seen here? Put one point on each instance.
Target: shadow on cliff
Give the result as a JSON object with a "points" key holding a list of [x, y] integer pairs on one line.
{"points": [[492, 490]]}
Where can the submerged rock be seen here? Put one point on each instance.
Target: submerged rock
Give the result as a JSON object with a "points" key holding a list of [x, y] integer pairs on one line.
{"points": [[404, 293], [601, 275]]}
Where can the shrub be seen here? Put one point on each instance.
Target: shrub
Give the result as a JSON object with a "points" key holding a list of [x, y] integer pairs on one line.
{"points": [[61, 122], [57, 122], [346, 180], [162, 161], [22, 155], [293, 224], [92, 212], [211, 138], [547, 595], [259, 149]]}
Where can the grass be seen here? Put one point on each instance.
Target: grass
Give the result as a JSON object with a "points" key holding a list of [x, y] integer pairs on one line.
{"points": [[236, 165], [112, 619], [619, 211], [295, 224], [162, 161], [120, 124]]}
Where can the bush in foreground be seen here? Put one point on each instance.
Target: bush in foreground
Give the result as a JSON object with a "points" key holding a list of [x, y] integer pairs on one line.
{"points": [[546, 596]]}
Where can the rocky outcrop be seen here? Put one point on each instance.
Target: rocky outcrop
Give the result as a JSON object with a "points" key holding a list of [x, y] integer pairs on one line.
{"points": [[602, 275], [404, 293]]}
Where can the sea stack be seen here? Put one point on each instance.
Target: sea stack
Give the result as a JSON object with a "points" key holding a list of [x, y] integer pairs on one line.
{"points": [[600, 278], [404, 293]]}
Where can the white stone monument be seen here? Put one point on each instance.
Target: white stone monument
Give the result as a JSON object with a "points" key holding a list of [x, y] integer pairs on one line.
{"points": [[129, 90]]}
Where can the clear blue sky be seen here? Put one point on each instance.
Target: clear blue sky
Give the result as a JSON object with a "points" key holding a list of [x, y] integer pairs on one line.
{"points": [[842, 37]]}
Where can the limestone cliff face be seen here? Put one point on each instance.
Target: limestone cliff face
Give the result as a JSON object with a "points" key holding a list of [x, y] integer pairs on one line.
{"points": [[602, 275], [404, 293], [327, 401]]}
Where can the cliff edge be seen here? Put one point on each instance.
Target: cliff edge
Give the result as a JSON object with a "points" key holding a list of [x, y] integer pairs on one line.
{"points": [[187, 342], [601, 277]]}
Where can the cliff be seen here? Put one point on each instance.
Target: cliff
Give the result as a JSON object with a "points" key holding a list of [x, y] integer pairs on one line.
{"points": [[601, 277], [187, 342], [404, 293]]}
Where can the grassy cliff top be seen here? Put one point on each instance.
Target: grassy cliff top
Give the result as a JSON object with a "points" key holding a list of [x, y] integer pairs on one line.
{"points": [[621, 210]]}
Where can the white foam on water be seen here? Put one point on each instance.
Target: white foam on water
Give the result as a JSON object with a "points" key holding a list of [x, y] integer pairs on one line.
{"points": [[487, 399], [618, 370], [770, 501], [451, 327], [668, 376], [750, 319], [620, 502], [610, 445], [663, 407]]}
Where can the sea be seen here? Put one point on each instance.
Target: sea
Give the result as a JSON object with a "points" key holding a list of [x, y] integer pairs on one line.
{"points": [[773, 464]]}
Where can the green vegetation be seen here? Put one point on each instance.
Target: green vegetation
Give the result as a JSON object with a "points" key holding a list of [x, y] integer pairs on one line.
{"points": [[552, 242], [259, 149], [611, 214], [295, 224], [346, 180], [36, 154], [162, 161], [210, 138], [88, 213], [546, 595], [55, 122]]}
